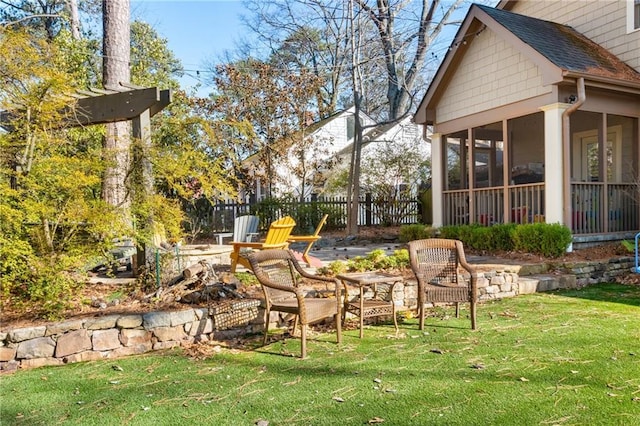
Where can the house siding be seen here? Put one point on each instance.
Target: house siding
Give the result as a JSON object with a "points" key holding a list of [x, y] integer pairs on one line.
{"points": [[603, 21], [491, 74]]}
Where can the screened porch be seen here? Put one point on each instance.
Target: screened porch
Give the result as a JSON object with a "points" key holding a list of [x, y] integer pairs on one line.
{"points": [[489, 178]]}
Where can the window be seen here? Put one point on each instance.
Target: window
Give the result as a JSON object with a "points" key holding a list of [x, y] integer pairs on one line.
{"points": [[633, 15], [587, 156], [351, 127]]}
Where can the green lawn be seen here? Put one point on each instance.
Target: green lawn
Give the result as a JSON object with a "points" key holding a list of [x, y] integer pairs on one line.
{"points": [[563, 358]]}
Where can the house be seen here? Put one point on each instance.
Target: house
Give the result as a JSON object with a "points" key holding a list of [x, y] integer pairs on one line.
{"points": [[535, 112], [393, 153], [326, 150]]}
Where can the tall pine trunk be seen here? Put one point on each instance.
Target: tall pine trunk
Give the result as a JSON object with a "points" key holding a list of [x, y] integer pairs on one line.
{"points": [[115, 70]]}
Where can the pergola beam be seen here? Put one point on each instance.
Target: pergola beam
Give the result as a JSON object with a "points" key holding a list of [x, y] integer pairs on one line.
{"points": [[100, 107], [120, 106]]}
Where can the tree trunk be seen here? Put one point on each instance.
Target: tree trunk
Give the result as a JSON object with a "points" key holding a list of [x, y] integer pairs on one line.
{"points": [[74, 18], [354, 175], [116, 53], [353, 191]]}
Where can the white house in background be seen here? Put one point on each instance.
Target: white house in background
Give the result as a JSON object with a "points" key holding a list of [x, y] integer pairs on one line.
{"points": [[330, 143], [386, 149]]}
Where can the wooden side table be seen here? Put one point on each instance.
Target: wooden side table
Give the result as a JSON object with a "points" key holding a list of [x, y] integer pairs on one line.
{"points": [[375, 306]]}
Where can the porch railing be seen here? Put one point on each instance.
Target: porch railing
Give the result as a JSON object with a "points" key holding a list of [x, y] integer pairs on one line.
{"points": [[596, 207], [600, 208], [526, 205]]}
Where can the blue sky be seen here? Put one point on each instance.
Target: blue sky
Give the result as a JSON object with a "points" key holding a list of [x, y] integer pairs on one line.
{"points": [[197, 31], [200, 31]]}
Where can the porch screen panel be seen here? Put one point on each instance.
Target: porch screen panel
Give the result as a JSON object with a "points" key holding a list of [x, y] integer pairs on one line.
{"points": [[488, 164], [487, 168], [526, 149], [456, 171], [456, 180], [623, 194]]}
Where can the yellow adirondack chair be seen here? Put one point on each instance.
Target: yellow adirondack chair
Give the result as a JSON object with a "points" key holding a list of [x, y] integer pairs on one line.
{"points": [[309, 239], [277, 238]]}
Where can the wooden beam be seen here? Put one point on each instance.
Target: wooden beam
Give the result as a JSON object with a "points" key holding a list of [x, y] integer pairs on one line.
{"points": [[121, 106], [107, 108]]}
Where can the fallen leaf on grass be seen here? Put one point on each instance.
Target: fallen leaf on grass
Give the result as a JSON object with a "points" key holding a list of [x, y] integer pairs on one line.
{"points": [[524, 379], [297, 380], [338, 399], [612, 386], [375, 420]]}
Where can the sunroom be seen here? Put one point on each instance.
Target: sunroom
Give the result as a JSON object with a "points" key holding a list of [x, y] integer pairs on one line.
{"points": [[533, 122]]}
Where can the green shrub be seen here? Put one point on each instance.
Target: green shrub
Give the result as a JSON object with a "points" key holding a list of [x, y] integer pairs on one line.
{"points": [[451, 232], [415, 231], [375, 260], [501, 236], [247, 278], [549, 240], [630, 246], [466, 234], [479, 238], [489, 238]]}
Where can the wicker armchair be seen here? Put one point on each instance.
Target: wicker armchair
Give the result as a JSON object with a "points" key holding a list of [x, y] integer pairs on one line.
{"points": [[282, 278], [436, 263]]}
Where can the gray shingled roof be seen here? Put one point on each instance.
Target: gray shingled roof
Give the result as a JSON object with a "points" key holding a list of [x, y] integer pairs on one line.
{"points": [[563, 46]]}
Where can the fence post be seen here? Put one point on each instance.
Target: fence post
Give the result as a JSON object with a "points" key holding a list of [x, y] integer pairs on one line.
{"points": [[368, 209]]}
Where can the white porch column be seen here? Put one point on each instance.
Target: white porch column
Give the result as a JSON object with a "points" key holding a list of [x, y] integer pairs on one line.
{"points": [[553, 169], [437, 178]]}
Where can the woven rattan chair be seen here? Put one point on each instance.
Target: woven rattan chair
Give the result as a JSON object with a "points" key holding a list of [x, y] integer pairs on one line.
{"points": [[437, 264], [284, 281]]}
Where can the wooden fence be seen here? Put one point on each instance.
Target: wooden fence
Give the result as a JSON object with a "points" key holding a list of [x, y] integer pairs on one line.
{"points": [[205, 218]]}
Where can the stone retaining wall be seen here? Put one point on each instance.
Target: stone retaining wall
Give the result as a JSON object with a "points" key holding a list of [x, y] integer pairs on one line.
{"points": [[113, 336]]}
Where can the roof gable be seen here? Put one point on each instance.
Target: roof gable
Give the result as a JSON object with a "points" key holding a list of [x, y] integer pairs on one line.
{"points": [[558, 50], [562, 45]]}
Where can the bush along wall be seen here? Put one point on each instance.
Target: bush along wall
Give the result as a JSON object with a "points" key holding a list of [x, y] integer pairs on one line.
{"points": [[545, 239]]}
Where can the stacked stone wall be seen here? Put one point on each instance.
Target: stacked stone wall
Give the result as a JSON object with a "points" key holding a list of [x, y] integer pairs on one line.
{"points": [[114, 336]]}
